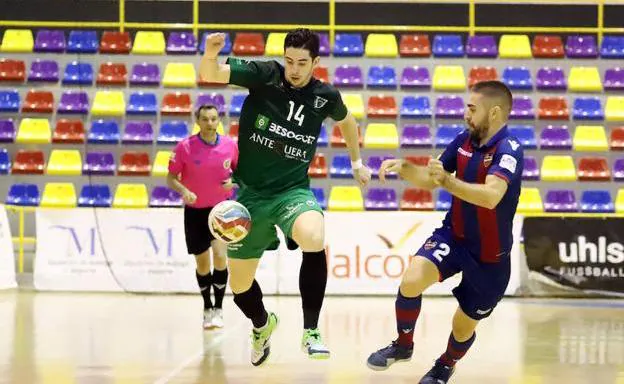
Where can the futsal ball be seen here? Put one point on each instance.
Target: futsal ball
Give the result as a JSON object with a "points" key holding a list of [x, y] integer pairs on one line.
{"points": [[229, 221]]}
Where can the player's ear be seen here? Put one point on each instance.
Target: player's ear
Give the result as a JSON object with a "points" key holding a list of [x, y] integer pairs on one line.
{"points": [[316, 61]]}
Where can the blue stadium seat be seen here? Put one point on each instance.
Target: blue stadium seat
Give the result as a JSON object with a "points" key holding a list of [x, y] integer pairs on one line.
{"points": [[348, 44], [416, 107], [612, 47], [381, 77], [171, 132], [319, 193], [227, 48], [525, 134], [24, 195], [323, 139], [77, 73], [446, 134], [9, 101], [104, 132], [341, 167], [597, 201], [5, 162], [237, 103], [96, 195], [448, 46], [443, 203], [517, 78], [82, 42], [587, 108], [141, 103]]}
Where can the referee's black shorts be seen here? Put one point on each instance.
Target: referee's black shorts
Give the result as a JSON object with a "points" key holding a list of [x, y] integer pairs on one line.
{"points": [[196, 231]]}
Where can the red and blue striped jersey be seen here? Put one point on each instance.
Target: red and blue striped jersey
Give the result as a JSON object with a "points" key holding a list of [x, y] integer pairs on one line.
{"points": [[486, 232]]}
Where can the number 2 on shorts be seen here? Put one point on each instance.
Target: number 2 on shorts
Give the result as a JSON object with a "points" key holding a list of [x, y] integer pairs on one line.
{"points": [[443, 250]]}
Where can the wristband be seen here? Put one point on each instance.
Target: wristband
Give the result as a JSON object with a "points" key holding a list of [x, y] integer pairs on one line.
{"points": [[356, 164]]}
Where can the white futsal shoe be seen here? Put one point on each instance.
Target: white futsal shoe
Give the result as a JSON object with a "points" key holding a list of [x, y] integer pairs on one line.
{"points": [[208, 316], [217, 318]]}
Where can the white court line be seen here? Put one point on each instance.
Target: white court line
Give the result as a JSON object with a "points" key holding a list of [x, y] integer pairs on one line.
{"points": [[197, 355]]}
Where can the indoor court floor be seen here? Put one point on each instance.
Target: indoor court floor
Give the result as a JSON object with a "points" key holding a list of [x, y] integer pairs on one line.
{"points": [[122, 338]]}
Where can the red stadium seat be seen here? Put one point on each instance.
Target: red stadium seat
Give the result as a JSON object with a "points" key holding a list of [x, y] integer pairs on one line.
{"points": [[28, 162], [12, 70], [418, 160], [176, 104], [318, 166], [233, 132], [338, 141], [69, 131], [115, 42], [593, 169], [553, 108], [382, 106], [415, 46], [478, 74], [321, 73], [548, 47], [415, 199], [134, 164], [617, 139], [248, 44], [112, 74], [38, 102]]}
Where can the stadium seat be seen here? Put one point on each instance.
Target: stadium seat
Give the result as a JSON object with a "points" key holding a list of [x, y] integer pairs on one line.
{"points": [[525, 134], [141, 103], [44, 71], [448, 46], [82, 42], [134, 164], [382, 106], [17, 41], [449, 107], [551, 79], [415, 77], [619, 201], [319, 194], [324, 46], [322, 141], [522, 108], [614, 110], [381, 199], [517, 78], [12, 70], [614, 79], [165, 197], [181, 43], [38, 102], [597, 201], [558, 168], [115, 42], [612, 47], [59, 195], [77, 73], [479, 74], [553, 108], [348, 76], [322, 73], [381, 136], [96, 195], [176, 104], [584, 79], [27, 162], [9, 101], [443, 203], [73, 102], [530, 201], [412, 45], [416, 136], [374, 163], [481, 46], [34, 131], [275, 44], [550, 47], [590, 138], [318, 166], [7, 131], [227, 48], [381, 45], [172, 132], [446, 134], [346, 198], [556, 137], [145, 74], [515, 47], [348, 45], [161, 163], [340, 167], [354, 104], [583, 47], [112, 74], [149, 43], [103, 132], [179, 75], [560, 200], [68, 132], [108, 103], [593, 169], [337, 141], [216, 99], [5, 162], [381, 77], [138, 132], [23, 195], [449, 78], [418, 160], [130, 196], [531, 170], [587, 108], [236, 104], [617, 138], [64, 162], [50, 41], [99, 163], [415, 199], [248, 44], [417, 107]]}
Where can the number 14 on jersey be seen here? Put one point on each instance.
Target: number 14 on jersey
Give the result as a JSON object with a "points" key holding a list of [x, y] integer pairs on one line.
{"points": [[297, 115]]}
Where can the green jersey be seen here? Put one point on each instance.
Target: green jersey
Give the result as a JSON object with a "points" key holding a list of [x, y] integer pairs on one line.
{"points": [[279, 126]]}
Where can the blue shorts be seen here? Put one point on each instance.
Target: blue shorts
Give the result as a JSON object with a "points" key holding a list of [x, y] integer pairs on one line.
{"points": [[482, 285]]}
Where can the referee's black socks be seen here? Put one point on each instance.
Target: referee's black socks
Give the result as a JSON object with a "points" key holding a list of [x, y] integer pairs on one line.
{"points": [[312, 283], [250, 302], [219, 282], [205, 282]]}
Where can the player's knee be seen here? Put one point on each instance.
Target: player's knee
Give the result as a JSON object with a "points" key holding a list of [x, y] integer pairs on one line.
{"points": [[240, 285], [311, 241], [203, 262], [420, 274]]}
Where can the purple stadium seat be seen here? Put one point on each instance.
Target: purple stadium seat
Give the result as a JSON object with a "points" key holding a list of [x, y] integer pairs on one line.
{"points": [[348, 76], [99, 163], [138, 132], [44, 70], [215, 99], [618, 169], [381, 199], [531, 170], [450, 107], [581, 47], [551, 78], [181, 42], [481, 46], [416, 136], [560, 200], [50, 41], [522, 109], [374, 163], [555, 137], [324, 47], [416, 107], [74, 102], [7, 131], [614, 79], [165, 197], [145, 74], [415, 77]]}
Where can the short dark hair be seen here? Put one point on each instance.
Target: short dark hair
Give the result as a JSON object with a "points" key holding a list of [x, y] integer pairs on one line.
{"points": [[495, 89], [205, 107], [303, 38]]}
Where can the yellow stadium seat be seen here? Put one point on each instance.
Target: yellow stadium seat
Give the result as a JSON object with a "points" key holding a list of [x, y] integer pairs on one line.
{"points": [[346, 198], [354, 104], [558, 168], [381, 45], [59, 195], [381, 136], [619, 201], [161, 163], [515, 47], [275, 44], [65, 162], [108, 103], [34, 131], [180, 75], [17, 40], [584, 79], [130, 196], [530, 201], [149, 43], [449, 78], [614, 111], [219, 129], [590, 138]]}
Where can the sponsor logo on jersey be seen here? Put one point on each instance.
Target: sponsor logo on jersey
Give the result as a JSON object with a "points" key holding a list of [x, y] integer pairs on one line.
{"points": [[262, 122], [319, 102], [227, 163], [462, 151], [278, 129], [487, 159], [288, 151]]}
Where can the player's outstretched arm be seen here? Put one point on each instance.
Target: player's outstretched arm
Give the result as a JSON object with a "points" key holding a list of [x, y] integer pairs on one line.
{"points": [[416, 175], [209, 68], [348, 128]]}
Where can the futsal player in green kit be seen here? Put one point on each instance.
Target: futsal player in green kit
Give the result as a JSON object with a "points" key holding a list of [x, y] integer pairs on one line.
{"points": [[279, 126]]}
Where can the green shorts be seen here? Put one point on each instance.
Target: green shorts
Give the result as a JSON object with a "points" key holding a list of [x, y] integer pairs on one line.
{"points": [[281, 210]]}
